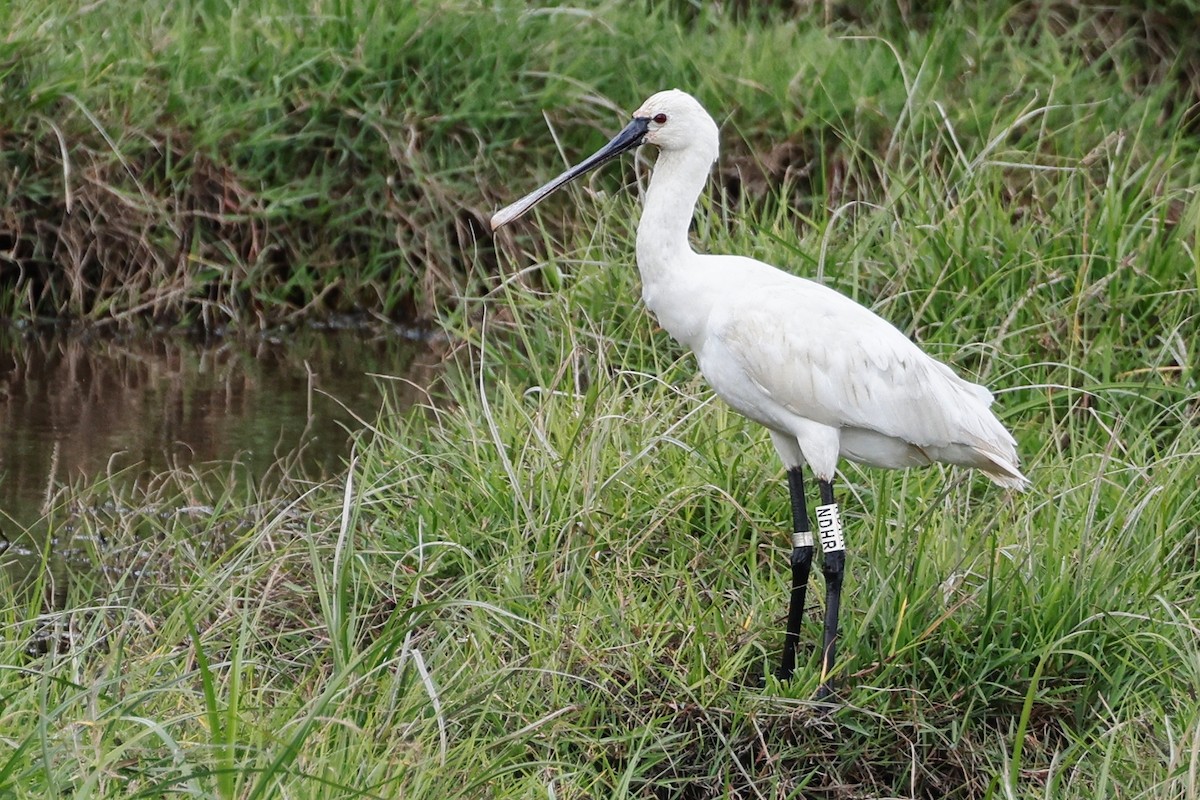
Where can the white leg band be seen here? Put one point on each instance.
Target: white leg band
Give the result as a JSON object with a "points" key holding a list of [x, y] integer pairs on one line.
{"points": [[829, 527], [802, 539]]}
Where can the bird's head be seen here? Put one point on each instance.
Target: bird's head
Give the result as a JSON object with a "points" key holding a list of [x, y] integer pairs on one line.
{"points": [[676, 121], [672, 120]]}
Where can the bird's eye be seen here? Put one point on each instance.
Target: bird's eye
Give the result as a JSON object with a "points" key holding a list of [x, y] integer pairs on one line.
{"points": [[660, 118]]}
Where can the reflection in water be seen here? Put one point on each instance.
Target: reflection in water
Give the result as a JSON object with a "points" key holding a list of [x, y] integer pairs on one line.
{"points": [[74, 408]]}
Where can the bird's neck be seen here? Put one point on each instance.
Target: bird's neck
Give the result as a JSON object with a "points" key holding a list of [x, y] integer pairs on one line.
{"points": [[662, 234]]}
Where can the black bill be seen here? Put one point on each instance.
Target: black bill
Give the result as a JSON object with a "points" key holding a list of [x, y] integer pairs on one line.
{"points": [[629, 138]]}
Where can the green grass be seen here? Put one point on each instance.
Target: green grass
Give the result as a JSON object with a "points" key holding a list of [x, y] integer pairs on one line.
{"points": [[219, 162], [565, 575]]}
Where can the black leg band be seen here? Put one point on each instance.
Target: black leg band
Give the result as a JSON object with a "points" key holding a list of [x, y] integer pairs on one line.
{"points": [[833, 566]]}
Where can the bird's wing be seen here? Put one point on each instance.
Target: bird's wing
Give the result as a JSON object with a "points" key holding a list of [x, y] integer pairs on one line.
{"points": [[824, 357]]}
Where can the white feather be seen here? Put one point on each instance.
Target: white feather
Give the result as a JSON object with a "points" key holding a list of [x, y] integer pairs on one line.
{"points": [[828, 377], [809, 363]]}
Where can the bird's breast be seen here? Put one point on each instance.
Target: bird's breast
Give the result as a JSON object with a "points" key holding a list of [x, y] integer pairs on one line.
{"points": [[684, 321]]}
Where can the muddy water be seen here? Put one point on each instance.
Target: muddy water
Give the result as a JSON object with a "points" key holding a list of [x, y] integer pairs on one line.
{"points": [[76, 408]]}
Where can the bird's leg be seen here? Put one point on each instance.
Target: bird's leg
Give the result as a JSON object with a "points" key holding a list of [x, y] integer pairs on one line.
{"points": [[802, 555], [833, 565]]}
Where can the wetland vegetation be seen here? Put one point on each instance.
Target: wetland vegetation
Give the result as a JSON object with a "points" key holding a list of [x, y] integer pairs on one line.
{"points": [[559, 573]]}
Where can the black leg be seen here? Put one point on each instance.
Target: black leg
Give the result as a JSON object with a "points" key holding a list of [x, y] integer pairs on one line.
{"points": [[833, 565], [802, 556]]}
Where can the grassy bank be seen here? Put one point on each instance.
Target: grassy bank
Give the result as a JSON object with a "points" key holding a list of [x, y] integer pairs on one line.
{"points": [[564, 577], [214, 162]]}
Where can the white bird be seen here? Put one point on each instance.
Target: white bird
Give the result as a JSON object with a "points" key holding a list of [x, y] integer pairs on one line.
{"points": [[826, 376]]}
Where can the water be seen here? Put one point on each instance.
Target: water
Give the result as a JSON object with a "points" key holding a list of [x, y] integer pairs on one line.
{"points": [[75, 408]]}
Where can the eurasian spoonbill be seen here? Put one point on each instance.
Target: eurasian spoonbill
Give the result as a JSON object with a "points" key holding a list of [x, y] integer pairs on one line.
{"points": [[828, 377]]}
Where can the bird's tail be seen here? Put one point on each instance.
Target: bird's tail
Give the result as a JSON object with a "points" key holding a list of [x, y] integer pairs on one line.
{"points": [[1007, 476], [1001, 468]]}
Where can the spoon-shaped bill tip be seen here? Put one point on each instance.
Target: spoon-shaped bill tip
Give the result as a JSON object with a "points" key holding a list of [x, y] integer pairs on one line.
{"points": [[511, 212]]}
